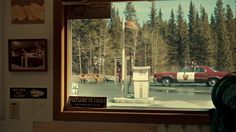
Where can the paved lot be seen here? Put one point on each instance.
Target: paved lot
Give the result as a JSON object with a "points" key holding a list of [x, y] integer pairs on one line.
{"points": [[174, 97]]}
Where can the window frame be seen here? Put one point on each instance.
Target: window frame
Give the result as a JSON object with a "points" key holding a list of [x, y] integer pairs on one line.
{"points": [[60, 112]]}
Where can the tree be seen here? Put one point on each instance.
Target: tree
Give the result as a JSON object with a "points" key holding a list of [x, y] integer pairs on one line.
{"points": [[182, 39], [153, 31], [130, 12], [213, 49], [144, 55], [206, 56], [161, 24], [171, 39], [89, 40], [152, 22], [223, 44], [130, 33], [193, 32], [159, 57], [114, 46], [231, 29], [209, 53], [77, 51]]}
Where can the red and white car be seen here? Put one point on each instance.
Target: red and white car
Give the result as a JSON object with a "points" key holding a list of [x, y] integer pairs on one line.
{"points": [[190, 74]]}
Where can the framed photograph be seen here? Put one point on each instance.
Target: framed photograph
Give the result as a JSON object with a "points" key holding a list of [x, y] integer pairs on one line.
{"points": [[27, 54], [27, 11], [28, 93]]}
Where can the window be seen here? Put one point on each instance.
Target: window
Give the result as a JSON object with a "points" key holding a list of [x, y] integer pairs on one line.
{"points": [[120, 58], [188, 69], [199, 69]]}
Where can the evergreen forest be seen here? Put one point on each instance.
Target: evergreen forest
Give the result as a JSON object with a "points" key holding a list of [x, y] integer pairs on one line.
{"points": [[164, 45]]}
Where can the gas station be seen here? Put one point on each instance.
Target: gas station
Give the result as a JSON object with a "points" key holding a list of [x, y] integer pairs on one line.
{"points": [[139, 78]]}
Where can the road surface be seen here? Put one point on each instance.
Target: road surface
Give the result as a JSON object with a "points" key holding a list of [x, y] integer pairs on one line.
{"points": [[177, 96]]}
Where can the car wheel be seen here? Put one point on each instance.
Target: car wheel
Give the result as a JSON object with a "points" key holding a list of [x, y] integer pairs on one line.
{"points": [[211, 82], [166, 81]]}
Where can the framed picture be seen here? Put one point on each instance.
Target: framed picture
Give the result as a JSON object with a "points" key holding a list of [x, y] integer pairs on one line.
{"points": [[28, 93], [27, 11], [27, 54]]}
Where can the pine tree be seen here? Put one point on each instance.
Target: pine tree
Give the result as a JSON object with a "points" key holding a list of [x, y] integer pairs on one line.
{"points": [[130, 12], [198, 53], [152, 22], [172, 41], [223, 44], [182, 39], [231, 29], [161, 24], [209, 47], [192, 20], [115, 31], [153, 31], [193, 32], [158, 45]]}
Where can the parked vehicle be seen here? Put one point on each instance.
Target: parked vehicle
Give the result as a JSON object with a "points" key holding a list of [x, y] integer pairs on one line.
{"points": [[190, 74]]}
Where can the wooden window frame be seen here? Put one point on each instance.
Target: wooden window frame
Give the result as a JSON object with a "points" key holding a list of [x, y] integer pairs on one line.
{"points": [[104, 115]]}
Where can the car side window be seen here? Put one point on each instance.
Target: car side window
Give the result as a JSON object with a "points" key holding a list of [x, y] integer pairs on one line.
{"points": [[199, 69], [187, 69]]}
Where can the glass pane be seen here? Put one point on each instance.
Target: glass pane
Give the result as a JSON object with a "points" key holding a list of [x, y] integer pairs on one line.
{"points": [[135, 58]]}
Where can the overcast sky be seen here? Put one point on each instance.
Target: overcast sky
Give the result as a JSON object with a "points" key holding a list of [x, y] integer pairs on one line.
{"points": [[143, 8]]}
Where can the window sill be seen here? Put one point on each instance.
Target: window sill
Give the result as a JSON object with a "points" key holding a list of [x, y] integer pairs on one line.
{"points": [[139, 116]]}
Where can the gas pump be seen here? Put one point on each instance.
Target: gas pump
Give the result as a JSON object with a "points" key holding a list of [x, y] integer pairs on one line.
{"points": [[141, 82]]}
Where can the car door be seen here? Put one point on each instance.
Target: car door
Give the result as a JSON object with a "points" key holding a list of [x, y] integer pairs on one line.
{"points": [[186, 75], [200, 74]]}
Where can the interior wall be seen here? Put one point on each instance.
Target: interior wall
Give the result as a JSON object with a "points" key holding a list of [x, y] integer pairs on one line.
{"points": [[1, 62], [29, 109]]}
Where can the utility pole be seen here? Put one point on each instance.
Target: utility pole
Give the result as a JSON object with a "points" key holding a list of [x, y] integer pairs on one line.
{"points": [[123, 61]]}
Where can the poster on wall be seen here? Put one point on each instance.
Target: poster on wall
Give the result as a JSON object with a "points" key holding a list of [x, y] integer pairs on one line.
{"points": [[28, 93], [27, 54], [27, 11]]}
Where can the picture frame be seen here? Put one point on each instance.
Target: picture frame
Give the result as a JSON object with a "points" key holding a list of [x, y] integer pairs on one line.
{"points": [[27, 11], [28, 93], [27, 54]]}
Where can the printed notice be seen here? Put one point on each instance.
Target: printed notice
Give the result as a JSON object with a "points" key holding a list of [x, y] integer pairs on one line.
{"points": [[24, 93], [93, 102]]}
